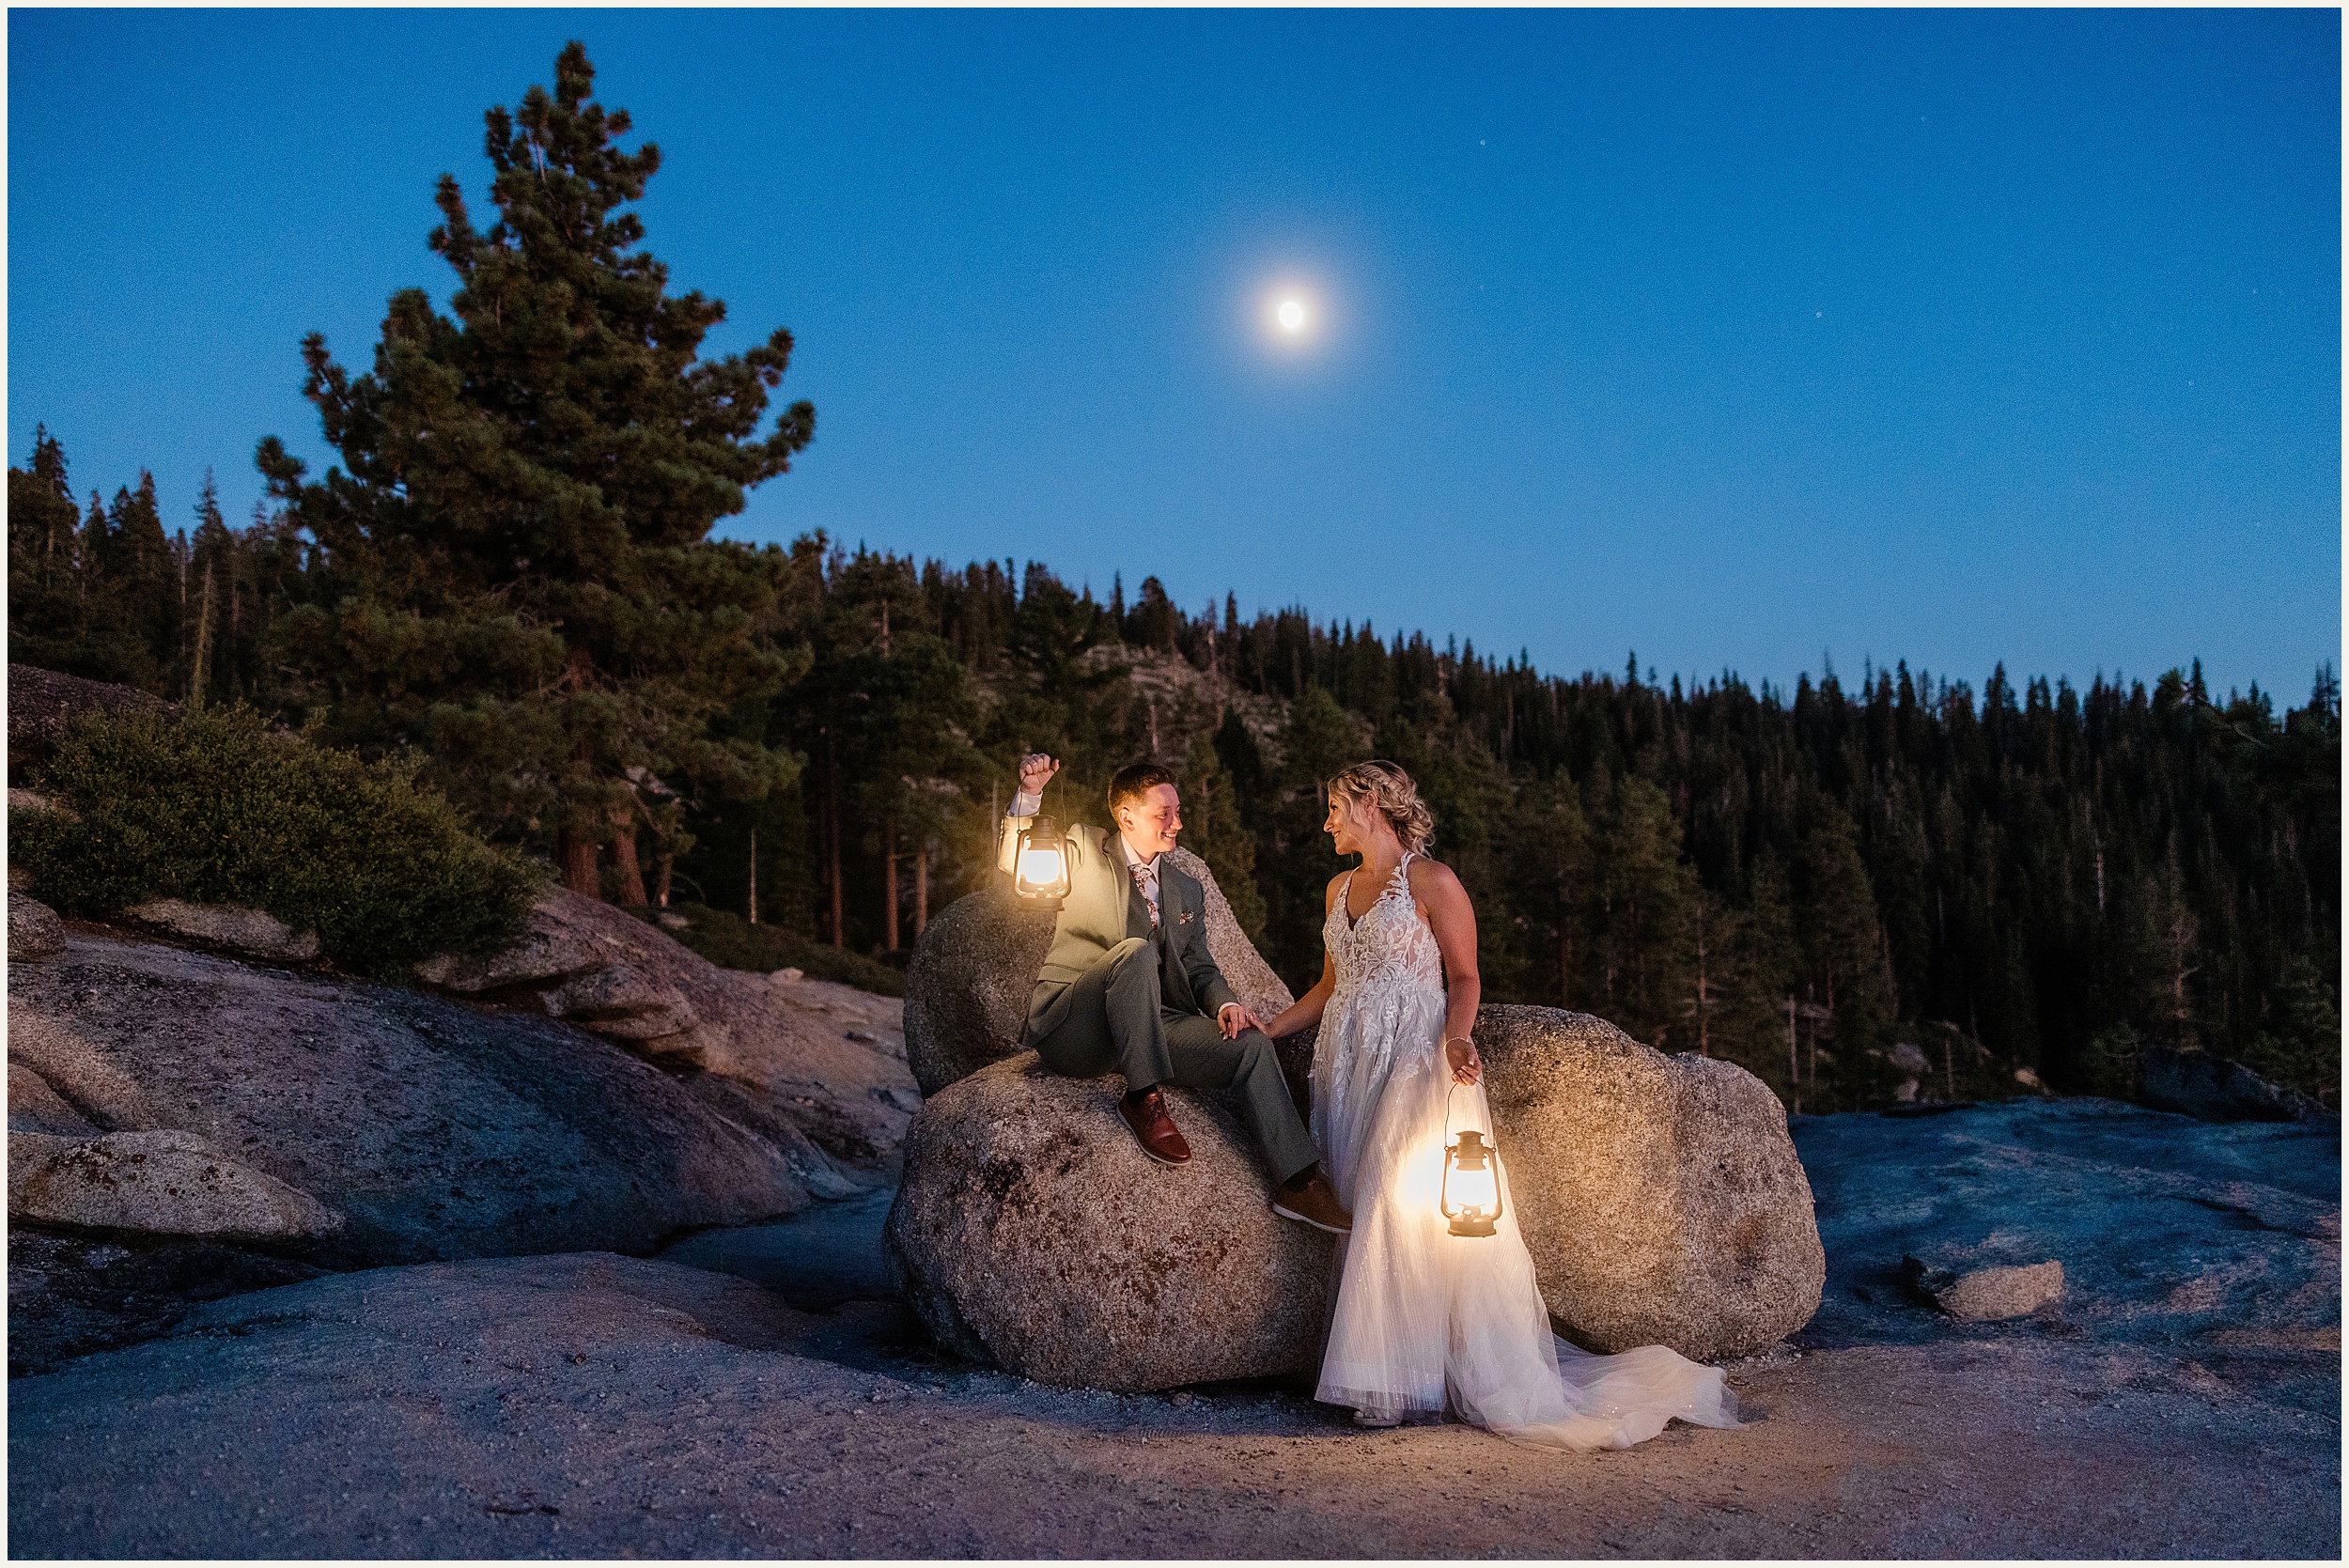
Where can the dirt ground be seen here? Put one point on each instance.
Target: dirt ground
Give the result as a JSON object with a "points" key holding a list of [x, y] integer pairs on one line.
{"points": [[593, 1406]]}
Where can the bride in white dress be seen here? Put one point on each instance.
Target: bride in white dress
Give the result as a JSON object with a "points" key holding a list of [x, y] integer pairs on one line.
{"points": [[1425, 1320]]}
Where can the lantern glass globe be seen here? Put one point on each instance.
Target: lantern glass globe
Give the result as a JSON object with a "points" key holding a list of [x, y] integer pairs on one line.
{"points": [[1471, 1186], [1039, 877]]}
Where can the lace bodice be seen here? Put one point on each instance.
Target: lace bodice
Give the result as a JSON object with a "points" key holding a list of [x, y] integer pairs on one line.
{"points": [[1384, 1020], [1390, 946], [1423, 1320]]}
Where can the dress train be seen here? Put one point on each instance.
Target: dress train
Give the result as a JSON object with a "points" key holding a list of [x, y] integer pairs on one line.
{"points": [[1423, 1320]]}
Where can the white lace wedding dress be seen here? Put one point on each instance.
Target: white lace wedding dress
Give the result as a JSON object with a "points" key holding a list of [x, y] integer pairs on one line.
{"points": [[1425, 1319]]}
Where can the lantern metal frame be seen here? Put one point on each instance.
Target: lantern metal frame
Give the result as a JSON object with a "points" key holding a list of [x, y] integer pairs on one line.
{"points": [[1469, 1151], [1042, 833]]}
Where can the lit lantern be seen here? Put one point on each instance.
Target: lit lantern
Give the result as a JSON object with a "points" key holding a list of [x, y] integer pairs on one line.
{"points": [[1471, 1185], [1040, 871]]}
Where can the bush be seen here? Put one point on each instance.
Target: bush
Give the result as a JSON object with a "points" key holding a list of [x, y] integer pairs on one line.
{"points": [[732, 942], [2298, 1045], [214, 809], [2112, 1065]]}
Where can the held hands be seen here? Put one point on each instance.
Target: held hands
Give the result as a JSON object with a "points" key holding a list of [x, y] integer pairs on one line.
{"points": [[1460, 1054], [1234, 1018], [1035, 772]]}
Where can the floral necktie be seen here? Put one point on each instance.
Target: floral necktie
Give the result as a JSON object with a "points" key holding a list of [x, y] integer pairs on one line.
{"points": [[1141, 874]]}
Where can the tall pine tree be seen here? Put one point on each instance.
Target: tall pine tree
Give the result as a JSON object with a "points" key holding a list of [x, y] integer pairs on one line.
{"points": [[1642, 894], [48, 604], [512, 568], [1845, 973], [1212, 831]]}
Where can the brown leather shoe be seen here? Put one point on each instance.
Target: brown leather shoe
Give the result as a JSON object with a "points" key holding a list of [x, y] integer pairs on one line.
{"points": [[1314, 1203], [1154, 1128]]}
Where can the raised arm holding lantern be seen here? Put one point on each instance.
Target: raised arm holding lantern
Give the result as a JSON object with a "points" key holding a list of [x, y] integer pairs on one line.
{"points": [[1129, 986]]}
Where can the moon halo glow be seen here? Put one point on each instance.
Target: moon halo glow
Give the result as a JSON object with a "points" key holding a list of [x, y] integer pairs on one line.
{"points": [[1290, 315]]}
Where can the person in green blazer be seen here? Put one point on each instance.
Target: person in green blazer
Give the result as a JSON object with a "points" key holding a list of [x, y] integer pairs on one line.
{"points": [[1129, 987]]}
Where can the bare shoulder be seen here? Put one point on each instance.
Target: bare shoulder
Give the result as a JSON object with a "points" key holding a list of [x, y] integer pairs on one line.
{"points": [[1443, 904], [1433, 879], [1329, 888]]}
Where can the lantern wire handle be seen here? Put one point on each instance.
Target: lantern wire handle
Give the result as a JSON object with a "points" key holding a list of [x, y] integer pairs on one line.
{"points": [[1456, 1088]]}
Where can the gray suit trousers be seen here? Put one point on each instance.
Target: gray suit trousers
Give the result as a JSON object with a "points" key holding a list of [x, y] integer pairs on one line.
{"points": [[1109, 1020]]}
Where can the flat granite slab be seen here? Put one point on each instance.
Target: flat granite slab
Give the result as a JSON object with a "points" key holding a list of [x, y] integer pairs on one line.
{"points": [[594, 1406]]}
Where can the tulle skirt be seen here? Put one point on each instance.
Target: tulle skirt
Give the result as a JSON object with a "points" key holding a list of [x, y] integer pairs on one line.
{"points": [[1425, 1321]]}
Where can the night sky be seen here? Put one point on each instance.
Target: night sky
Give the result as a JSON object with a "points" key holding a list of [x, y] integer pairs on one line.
{"points": [[1742, 339]]}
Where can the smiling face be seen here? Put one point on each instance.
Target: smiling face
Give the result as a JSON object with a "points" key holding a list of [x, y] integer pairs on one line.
{"points": [[1354, 825], [1149, 821]]}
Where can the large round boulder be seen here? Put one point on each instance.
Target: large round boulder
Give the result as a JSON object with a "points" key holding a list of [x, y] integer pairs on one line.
{"points": [[968, 984], [1660, 1195], [1033, 1233], [34, 929]]}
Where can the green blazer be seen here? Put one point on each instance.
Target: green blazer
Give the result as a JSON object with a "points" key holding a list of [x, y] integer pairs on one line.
{"points": [[1103, 908]]}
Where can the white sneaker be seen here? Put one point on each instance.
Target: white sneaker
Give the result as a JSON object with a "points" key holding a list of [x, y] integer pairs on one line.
{"points": [[1364, 1417]]}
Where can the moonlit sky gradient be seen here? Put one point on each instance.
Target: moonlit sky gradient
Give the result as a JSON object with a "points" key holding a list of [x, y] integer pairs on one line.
{"points": [[1738, 338]]}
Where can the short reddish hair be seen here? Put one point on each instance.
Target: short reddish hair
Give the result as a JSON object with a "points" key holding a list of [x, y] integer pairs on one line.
{"points": [[1135, 781]]}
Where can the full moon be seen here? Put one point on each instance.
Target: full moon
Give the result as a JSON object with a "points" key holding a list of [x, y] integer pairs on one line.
{"points": [[1292, 316]]}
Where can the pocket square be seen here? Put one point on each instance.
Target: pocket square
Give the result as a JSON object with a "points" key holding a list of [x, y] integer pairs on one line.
{"points": [[1183, 919]]}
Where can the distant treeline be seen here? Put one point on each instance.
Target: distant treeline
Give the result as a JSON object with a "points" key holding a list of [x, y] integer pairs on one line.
{"points": [[1839, 888], [1902, 888]]}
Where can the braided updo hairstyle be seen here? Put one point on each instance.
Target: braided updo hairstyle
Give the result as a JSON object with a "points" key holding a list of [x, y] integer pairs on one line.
{"points": [[1391, 789]]}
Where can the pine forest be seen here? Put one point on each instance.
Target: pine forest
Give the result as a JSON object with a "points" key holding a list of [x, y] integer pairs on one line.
{"points": [[1902, 886]]}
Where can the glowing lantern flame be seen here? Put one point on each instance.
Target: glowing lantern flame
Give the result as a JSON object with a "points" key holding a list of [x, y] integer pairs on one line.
{"points": [[1471, 1186], [1041, 880]]}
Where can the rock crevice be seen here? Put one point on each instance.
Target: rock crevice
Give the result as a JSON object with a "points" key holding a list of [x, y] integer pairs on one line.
{"points": [[817, 1062], [435, 1129]]}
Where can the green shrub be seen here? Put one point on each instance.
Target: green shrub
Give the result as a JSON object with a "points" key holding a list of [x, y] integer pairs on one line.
{"points": [[2299, 1044], [732, 942], [216, 809], [2111, 1066]]}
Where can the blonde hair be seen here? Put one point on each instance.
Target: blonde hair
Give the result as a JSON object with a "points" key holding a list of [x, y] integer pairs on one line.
{"points": [[1391, 789]]}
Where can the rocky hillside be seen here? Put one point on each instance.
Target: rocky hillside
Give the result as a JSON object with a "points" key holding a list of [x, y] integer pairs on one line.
{"points": [[304, 1265], [186, 1122]]}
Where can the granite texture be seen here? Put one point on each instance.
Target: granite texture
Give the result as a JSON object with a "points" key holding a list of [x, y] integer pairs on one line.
{"points": [[251, 932], [1987, 1295], [967, 983], [160, 1183], [1660, 1195], [35, 932], [438, 1129], [826, 1069], [1033, 1233]]}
